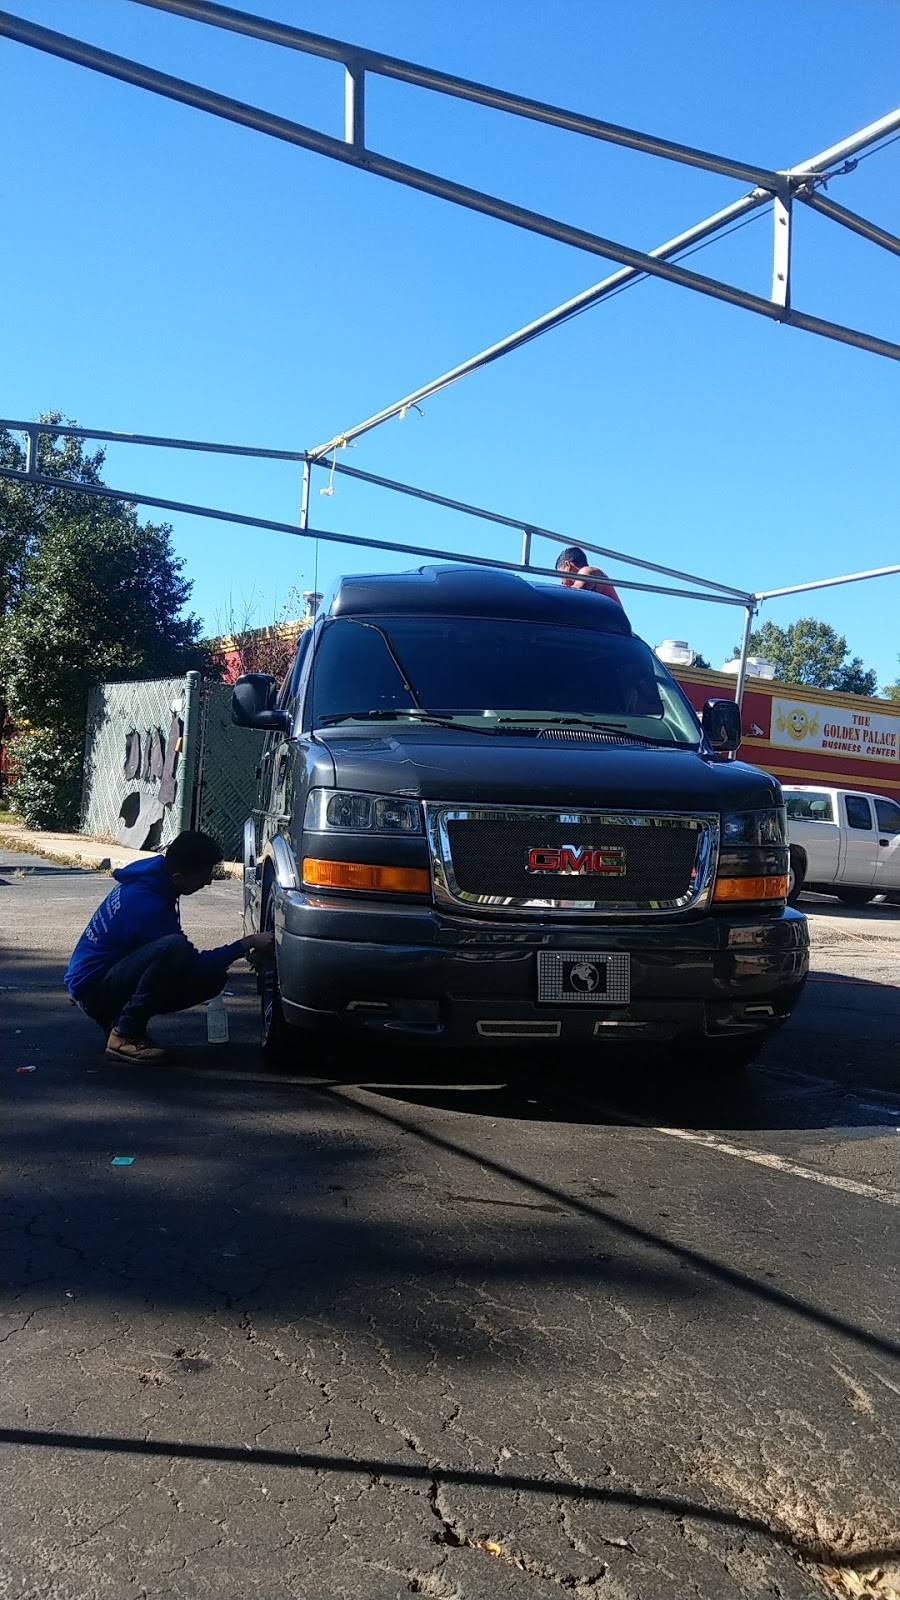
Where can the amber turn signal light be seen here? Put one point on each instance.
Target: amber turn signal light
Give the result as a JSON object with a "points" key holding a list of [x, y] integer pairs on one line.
{"points": [[751, 888], [358, 875]]}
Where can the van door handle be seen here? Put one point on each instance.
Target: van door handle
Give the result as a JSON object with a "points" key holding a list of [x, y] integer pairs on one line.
{"points": [[884, 843]]}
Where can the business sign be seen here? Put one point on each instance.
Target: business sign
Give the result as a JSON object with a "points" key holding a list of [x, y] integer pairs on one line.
{"points": [[806, 725]]}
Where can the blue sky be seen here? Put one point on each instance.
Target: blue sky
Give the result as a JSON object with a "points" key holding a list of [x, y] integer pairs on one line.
{"points": [[165, 272]]}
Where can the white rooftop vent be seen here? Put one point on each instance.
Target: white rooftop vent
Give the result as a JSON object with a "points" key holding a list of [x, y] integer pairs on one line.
{"points": [[312, 599], [676, 653], [757, 667]]}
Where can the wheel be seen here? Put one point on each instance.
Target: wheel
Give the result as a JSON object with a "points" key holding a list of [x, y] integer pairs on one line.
{"points": [[275, 1034], [855, 897], [796, 875]]}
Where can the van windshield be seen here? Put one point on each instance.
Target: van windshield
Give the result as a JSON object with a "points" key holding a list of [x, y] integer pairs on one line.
{"points": [[496, 674]]}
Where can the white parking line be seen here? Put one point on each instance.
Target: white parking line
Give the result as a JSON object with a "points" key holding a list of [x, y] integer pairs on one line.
{"points": [[763, 1158]]}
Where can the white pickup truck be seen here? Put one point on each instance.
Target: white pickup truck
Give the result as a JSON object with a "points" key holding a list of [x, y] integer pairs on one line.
{"points": [[842, 842]]}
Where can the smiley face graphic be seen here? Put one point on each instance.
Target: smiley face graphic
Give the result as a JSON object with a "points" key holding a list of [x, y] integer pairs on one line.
{"points": [[797, 724]]}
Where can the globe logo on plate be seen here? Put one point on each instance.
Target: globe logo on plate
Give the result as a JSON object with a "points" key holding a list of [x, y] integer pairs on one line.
{"points": [[584, 977]]}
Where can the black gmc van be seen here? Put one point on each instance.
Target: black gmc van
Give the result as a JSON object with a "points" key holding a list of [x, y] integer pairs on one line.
{"points": [[487, 813]]}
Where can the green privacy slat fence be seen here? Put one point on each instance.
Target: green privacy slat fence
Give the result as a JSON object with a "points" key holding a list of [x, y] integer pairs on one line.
{"points": [[119, 714], [138, 726]]}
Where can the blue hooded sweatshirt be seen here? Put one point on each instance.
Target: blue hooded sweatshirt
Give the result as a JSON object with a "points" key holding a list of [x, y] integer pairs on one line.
{"points": [[141, 908]]}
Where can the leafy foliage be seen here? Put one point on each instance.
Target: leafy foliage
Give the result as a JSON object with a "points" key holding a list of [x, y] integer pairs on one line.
{"points": [[809, 651], [90, 594], [46, 790], [892, 691]]}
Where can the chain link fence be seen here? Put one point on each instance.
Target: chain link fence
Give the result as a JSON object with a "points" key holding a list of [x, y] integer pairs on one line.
{"points": [[226, 782]]}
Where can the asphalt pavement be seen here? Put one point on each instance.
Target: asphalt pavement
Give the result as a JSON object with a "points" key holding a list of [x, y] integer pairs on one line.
{"points": [[452, 1326]]}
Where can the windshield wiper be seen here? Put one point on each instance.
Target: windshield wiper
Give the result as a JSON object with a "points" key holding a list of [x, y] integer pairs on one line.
{"points": [[431, 719], [593, 725]]}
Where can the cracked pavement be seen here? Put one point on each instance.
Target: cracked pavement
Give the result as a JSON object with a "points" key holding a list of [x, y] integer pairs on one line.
{"points": [[457, 1328]]}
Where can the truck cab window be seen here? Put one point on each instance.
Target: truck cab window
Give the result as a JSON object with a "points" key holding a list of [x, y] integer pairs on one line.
{"points": [[859, 814], [809, 807], [888, 815]]}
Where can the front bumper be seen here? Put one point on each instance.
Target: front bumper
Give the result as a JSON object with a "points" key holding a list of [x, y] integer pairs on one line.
{"points": [[395, 969]]}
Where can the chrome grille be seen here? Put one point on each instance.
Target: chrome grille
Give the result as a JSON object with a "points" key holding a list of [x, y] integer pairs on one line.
{"points": [[527, 859]]}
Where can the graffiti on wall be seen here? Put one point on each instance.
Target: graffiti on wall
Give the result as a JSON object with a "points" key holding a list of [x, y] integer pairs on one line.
{"points": [[150, 761], [136, 762]]}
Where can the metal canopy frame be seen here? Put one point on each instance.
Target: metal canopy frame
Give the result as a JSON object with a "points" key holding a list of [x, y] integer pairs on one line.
{"points": [[722, 594], [780, 188], [775, 189]]}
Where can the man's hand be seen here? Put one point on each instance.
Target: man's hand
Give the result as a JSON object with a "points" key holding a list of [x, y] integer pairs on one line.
{"points": [[264, 943]]}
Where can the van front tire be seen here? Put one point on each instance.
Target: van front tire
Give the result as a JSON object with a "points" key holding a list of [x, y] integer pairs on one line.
{"points": [[276, 1036]]}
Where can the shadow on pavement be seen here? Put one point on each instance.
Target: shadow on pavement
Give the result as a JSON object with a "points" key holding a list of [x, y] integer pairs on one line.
{"points": [[820, 1553], [280, 1193]]}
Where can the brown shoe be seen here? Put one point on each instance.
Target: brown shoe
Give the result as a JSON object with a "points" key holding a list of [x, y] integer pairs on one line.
{"points": [[141, 1050]]}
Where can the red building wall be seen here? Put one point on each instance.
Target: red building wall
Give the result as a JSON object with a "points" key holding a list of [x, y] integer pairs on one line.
{"points": [[847, 741]]}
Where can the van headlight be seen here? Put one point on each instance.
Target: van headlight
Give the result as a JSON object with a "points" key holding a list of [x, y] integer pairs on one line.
{"points": [[754, 827], [753, 858], [346, 811]]}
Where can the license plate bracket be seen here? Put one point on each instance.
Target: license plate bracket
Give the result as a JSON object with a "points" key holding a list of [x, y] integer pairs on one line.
{"points": [[583, 977]]}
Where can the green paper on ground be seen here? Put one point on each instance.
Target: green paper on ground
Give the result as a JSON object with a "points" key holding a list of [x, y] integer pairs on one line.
{"points": [[122, 1161]]}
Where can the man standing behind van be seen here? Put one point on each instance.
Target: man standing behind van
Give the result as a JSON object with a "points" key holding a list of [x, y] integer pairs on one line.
{"points": [[573, 564]]}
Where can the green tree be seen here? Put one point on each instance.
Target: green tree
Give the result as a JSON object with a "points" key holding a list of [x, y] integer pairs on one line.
{"points": [[892, 690], [809, 651], [91, 594], [24, 507]]}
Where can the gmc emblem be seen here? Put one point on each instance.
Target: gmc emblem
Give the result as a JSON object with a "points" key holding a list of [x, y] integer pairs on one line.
{"points": [[573, 859]]}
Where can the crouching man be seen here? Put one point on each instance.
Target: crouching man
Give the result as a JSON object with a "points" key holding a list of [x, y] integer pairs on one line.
{"points": [[133, 962]]}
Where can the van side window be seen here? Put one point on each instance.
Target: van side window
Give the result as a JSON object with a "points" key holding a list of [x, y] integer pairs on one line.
{"points": [[888, 814], [809, 807], [859, 814]]}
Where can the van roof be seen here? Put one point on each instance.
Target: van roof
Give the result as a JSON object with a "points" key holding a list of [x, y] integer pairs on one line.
{"points": [[463, 591]]}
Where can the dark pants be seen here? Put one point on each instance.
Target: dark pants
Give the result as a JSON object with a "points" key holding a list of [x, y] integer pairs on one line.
{"points": [[163, 976]]}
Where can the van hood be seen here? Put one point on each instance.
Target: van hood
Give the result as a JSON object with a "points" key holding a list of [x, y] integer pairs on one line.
{"points": [[503, 770]]}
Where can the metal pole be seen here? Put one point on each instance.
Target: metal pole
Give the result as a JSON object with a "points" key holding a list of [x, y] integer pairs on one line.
{"points": [[190, 749], [745, 650], [242, 520], [533, 527], [424, 182], [423, 77], [701, 231], [31, 451], [304, 495], [781, 252], [526, 547], [68, 432], [827, 583], [851, 146], [355, 105], [551, 319], [849, 219]]}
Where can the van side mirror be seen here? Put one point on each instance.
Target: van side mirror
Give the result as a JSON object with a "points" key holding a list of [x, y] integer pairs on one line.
{"points": [[722, 725], [252, 704]]}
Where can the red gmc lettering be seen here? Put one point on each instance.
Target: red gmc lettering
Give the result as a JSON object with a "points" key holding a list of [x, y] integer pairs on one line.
{"points": [[573, 859]]}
